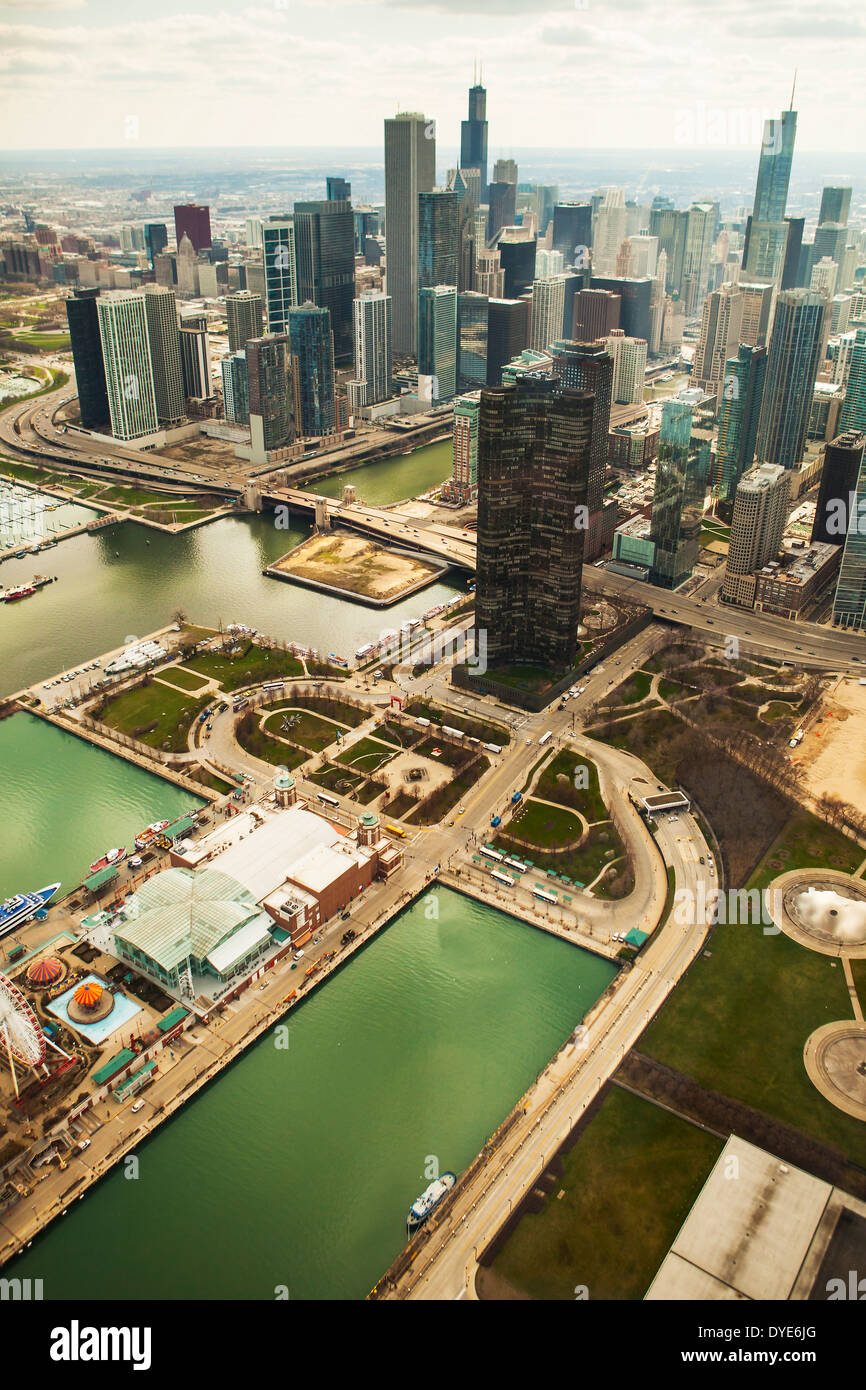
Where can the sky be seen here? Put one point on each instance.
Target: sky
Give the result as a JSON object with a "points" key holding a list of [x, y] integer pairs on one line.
{"points": [[571, 74]]}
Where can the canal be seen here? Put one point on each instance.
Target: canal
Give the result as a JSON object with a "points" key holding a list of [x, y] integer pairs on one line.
{"points": [[296, 1170], [67, 802]]}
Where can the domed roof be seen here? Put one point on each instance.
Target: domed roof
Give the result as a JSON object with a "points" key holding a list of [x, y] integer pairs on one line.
{"points": [[87, 996], [44, 972]]}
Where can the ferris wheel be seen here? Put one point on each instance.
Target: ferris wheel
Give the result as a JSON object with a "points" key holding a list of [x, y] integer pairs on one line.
{"points": [[21, 1037]]}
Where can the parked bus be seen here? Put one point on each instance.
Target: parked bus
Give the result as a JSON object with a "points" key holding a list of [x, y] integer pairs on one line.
{"points": [[328, 800], [544, 897], [491, 854], [545, 738], [239, 702], [501, 877], [273, 685], [514, 864], [396, 830]]}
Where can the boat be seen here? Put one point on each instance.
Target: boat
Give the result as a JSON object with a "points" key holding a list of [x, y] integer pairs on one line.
{"points": [[16, 592], [149, 834], [112, 857], [429, 1200], [18, 910]]}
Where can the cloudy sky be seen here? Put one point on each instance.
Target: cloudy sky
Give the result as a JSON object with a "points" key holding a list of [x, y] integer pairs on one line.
{"points": [[559, 73]]}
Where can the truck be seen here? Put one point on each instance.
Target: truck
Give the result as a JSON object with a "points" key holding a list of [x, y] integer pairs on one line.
{"points": [[517, 796], [497, 820], [796, 739]]}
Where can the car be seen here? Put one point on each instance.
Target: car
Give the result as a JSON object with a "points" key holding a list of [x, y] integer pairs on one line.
{"points": [[134, 862], [83, 1144], [139, 1105], [298, 955], [529, 740], [672, 819], [710, 622], [702, 859]]}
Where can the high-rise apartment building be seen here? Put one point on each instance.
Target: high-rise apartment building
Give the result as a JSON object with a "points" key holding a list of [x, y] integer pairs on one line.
{"points": [[742, 395], [774, 168], [720, 336], [517, 258], [589, 367], [437, 342], [410, 169], [678, 497], [244, 315], [464, 476], [629, 367], [854, 408], [698, 254], [823, 277], [193, 220], [325, 263], [489, 276], [162, 331], [548, 263], [533, 461], [835, 205], [473, 138], [313, 347], [280, 271], [757, 306], [438, 237], [609, 230], [372, 331], [758, 524], [843, 459], [272, 386], [86, 345], [236, 388], [548, 305], [128, 371], [792, 366], [849, 601], [505, 171]]}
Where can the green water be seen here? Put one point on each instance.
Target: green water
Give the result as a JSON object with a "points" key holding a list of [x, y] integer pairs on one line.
{"points": [[66, 802], [297, 1167], [394, 479], [129, 580]]}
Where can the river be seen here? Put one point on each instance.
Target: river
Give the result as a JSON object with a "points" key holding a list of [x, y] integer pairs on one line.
{"points": [[296, 1168]]}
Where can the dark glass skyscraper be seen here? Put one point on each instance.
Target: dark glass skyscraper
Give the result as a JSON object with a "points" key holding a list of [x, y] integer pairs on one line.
{"points": [[854, 408], [572, 228], [155, 239], [792, 366], [534, 445], [337, 190], [194, 220], [86, 347], [739, 413], [849, 603], [473, 136], [517, 259], [325, 262], [272, 392], [589, 367], [472, 329], [507, 334], [501, 209], [313, 346], [774, 168], [635, 294], [678, 499], [438, 237], [843, 459]]}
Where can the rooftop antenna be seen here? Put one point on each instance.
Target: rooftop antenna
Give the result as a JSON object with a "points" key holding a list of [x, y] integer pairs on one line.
{"points": [[793, 88], [475, 73]]}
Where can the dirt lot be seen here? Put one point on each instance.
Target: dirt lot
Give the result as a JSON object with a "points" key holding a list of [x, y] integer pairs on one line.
{"points": [[833, 753], [357, 565]]}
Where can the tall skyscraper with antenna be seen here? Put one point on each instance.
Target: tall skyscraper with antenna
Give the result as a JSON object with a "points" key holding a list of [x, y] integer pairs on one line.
{"points": [[473, 135], [767, 230]]}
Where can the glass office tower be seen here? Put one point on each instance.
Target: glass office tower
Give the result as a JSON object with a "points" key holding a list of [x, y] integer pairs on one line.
{"points": [[313, 346], [739, 414], [849, 602], [792, 366], [678, 499], [325, 261]]}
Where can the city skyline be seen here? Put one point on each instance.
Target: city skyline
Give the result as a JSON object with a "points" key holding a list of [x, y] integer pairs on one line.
{"points": [[207, 62]]}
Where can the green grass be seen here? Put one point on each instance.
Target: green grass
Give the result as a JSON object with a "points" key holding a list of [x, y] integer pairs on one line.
{"points": [[778, 709], [548, 827], [587, 800], [187, 680], [629, 1183], [251, 666], [334, 778], [583, 864], [309, 730], [51, 342], [807, 842], [671, 690], [367, 755], [477, 728], [170, 711], [270, 750]]}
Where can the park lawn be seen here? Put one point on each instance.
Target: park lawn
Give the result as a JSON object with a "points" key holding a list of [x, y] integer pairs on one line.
{"points": [[53, 342], [338, 710], [583, 864], [629, 1181], [858, 970], [367, 755], [187, 680], [399, 736], [171, 711], [671, 690], [548, 827], [309, 730], [806, 842], [270, 750], [633, 689], [778, 709], [137, 497], [249, 667], [334, 778], [450, 754], [588, 800], [738, 1022]]}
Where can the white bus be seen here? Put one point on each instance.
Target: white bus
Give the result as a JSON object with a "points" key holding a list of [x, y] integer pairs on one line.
{"points": [[545, 738], [544, 897], [273, 685], [328, 800], [490, 854], [514, 864], [501, 877]]}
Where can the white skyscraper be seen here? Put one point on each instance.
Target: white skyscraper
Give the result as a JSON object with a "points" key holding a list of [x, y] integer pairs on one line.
{"points": [[253, 231], [371, 315], [608, 231], [548, 264], [824, 276], [720, 337], [629, 368], [548, 307], [128, 371], [410, 169]]}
